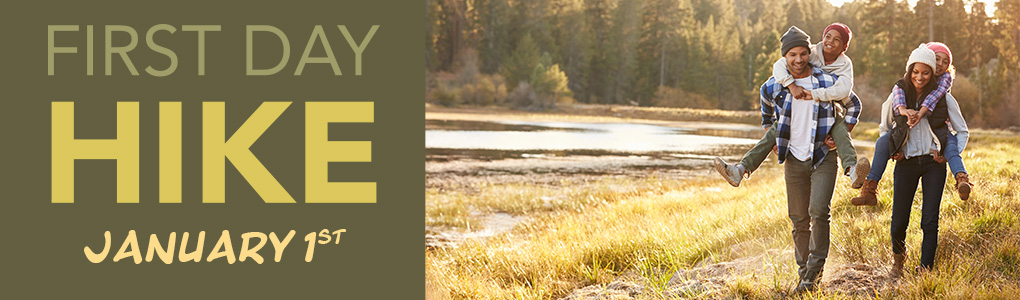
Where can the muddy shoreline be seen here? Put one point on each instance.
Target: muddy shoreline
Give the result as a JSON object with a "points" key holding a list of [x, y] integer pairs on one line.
{"points": [[464, 169]]}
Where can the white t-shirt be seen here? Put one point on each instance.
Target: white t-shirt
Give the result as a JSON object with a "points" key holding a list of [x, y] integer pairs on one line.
{"points": [[802, 124]]}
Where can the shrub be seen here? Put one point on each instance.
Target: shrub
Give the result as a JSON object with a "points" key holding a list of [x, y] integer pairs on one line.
{"points": [[468, 94], [445, 95], [550, 81], [566, 100], [485, 90], [524, 97], [501, 94]]}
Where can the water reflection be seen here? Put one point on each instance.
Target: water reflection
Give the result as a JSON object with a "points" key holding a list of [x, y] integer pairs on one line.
{"points": [[754, 134], [517, 138], [445, 154], [458, 125]]}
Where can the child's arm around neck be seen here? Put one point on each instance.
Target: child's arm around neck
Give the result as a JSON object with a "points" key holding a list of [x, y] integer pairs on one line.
{"points": [[945, 83], [843, 68], [780, 73]]}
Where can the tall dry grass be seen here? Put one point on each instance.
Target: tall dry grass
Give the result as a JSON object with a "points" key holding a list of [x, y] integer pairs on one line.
{"points": [[604, 230]]}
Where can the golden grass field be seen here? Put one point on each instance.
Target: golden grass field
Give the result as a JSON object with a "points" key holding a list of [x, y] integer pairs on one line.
{"points": [[637, 232]]}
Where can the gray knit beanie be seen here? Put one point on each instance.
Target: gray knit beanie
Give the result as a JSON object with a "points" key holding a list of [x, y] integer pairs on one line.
{"points": [[794, 38]]}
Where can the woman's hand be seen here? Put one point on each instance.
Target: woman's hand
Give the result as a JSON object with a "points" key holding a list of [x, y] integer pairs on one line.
{"points": [[913, 117]]}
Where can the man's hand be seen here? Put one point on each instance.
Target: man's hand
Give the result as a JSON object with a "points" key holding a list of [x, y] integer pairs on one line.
{"points": [[830, 142], [898, 156], [938, 157], [849, 127]]}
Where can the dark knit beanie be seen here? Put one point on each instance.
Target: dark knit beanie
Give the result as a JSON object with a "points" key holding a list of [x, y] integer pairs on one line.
{"points": [[795, 38], [843, 31]]}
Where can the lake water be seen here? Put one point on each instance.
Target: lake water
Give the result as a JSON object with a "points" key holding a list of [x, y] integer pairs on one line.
{"points": [[523, 138]]}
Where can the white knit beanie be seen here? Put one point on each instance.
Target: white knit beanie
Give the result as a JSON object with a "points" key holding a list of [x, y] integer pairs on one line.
{"points": [[922, 55]]}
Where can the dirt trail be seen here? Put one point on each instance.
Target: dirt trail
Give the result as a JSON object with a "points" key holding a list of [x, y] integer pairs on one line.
{"points": [[718, 280], [488, 225]]}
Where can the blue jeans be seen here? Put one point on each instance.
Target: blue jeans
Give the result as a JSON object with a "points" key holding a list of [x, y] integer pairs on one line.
{"points": [[952, 154], [881, 157], [933, 181]]}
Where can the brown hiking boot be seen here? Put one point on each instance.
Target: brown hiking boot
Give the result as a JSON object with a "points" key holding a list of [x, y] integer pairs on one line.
{"points": [[963, 185], [897, 266], [859, 172], [869, 194]]}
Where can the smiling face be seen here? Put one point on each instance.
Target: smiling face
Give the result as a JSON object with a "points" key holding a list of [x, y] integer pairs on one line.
{"points": [[797, 61], [920, 75], [941, 63], [832, 43]]}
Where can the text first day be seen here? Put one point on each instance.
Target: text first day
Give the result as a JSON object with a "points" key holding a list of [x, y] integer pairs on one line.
{"points": [[318, 37], [216, 150]]}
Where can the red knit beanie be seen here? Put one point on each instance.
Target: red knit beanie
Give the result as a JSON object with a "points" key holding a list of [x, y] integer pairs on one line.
{"points": [[843, 30], [940, 47]]}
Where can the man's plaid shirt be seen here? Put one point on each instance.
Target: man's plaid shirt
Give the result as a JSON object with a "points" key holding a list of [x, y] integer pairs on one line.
{"points": [[775, 108]]}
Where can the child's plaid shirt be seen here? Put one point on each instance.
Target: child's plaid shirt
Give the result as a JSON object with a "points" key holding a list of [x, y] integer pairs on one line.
{"points": [[945, 82]]}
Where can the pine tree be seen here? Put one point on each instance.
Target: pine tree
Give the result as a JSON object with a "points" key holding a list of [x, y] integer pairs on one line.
{"points": [[575, 45], [493, 19], [597, 14], [522, 61], [622, 51], [1007, 14]]}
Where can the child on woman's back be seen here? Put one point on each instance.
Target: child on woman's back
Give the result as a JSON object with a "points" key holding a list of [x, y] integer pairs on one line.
{"points": [[889, 143]]}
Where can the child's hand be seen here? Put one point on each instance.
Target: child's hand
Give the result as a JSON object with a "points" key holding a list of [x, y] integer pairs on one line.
{"points": [[913, 117], [830, 142], [775, 149], [797, 92]]}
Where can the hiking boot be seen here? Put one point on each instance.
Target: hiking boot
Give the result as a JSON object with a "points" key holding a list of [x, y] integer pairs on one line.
{"points": [[897, 266], [963, 185], [730, 172], [805, 286], [809, 281], [869, 194], [859, 172]]}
